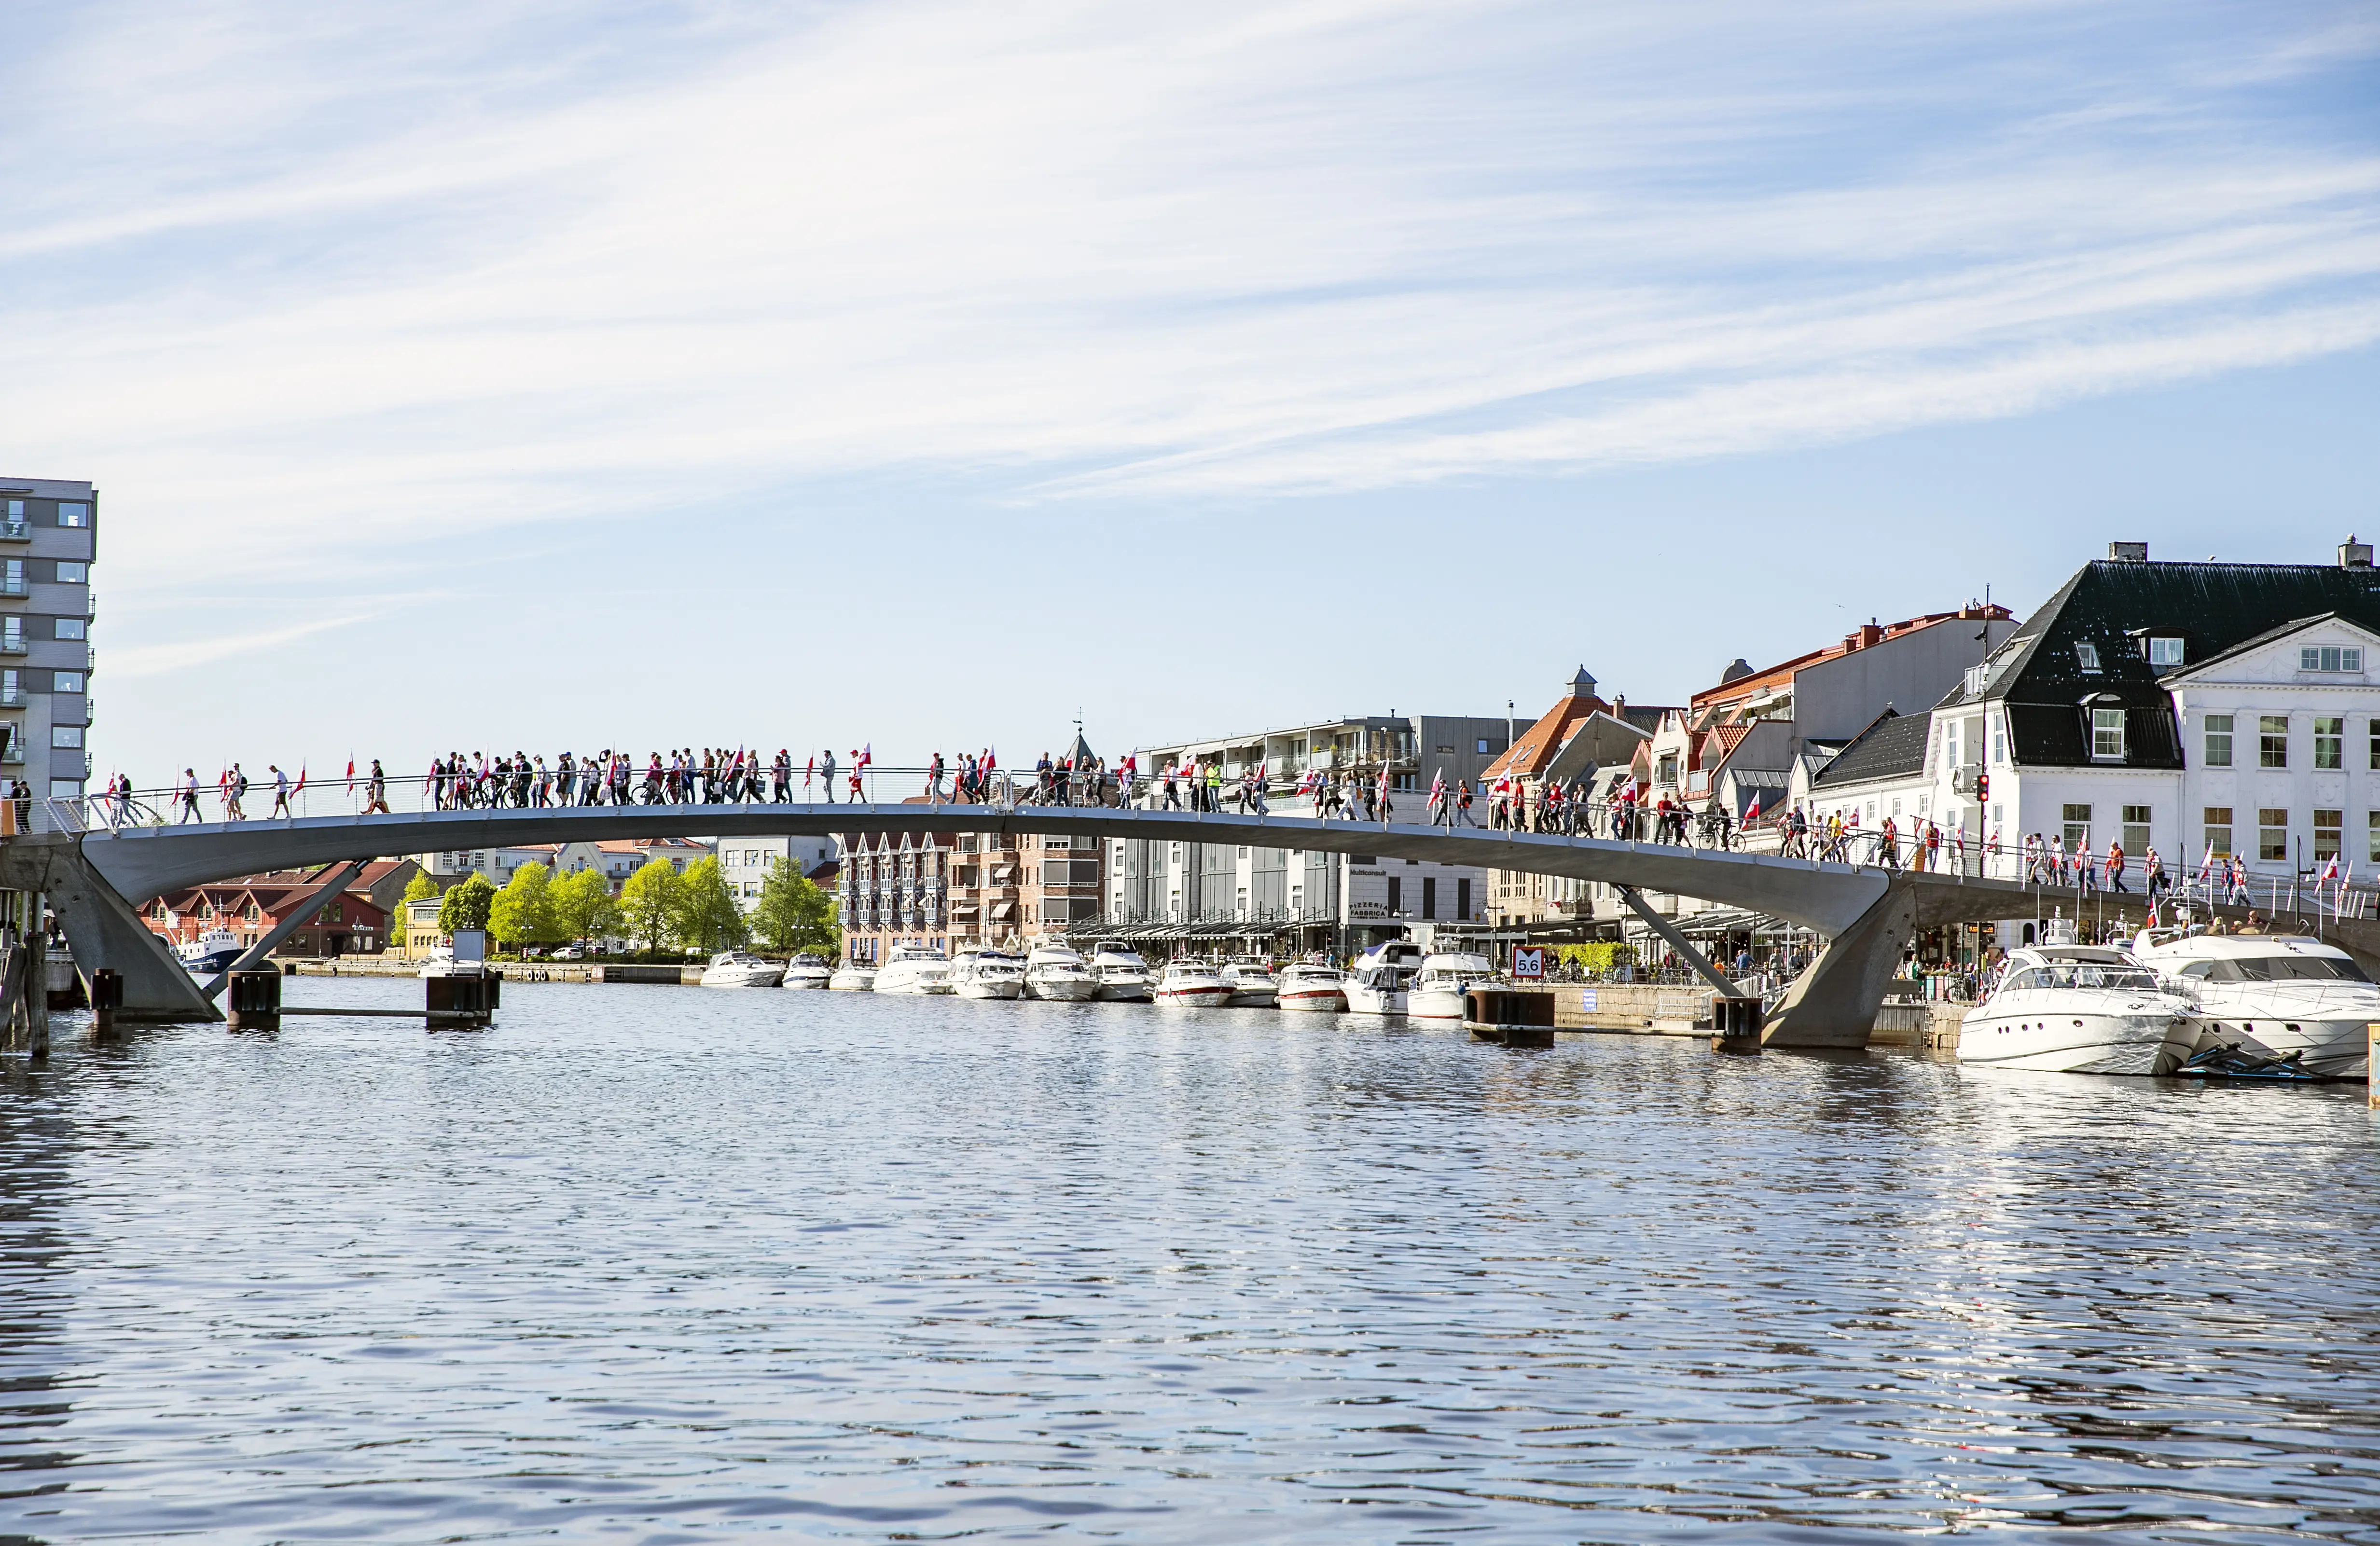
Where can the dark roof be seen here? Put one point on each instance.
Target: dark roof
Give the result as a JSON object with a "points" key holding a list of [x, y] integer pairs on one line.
{"points": [[1644, 716], [2110, 605], [1894, 746]]}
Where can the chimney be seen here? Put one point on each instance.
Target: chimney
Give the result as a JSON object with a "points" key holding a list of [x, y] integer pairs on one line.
{"points": [[2128, 552], [2353, 554], [1870, 635]]}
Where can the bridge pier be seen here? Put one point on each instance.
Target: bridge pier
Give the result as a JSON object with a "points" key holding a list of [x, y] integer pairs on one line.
{"points": [[104, 933], [1835, 1003]]}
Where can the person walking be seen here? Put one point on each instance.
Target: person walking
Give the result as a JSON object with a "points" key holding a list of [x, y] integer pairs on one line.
{"points": [[826, 770], [189, 796], [1463, 804], [280, 791], [2116, 866]]}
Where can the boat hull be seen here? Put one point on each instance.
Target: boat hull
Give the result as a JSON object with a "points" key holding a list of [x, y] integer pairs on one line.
{"points": [[2090, 1043], [815, 980], [756, 979], [1125, 992], [1216, 997], [1327, 1000], [1376, 1001], [1008, 990], [849, 981], [1434, 1003], [1062, 990]]}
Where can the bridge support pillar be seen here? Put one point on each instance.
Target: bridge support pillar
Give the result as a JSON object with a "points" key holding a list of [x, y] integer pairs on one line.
{"points": [[104, 933], [1834, 1003]]}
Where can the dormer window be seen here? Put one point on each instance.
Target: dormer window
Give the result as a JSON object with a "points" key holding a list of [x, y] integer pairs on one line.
{"points": [[2164, 651], [2330, 657], [2087, 656]]}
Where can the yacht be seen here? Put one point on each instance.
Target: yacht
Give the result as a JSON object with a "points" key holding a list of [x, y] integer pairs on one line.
{"points": [[738, 969], [441, 962], [987, 974], [1381, 978], [915, 968], [1193, 984], [2079, 1009], [1306, 986], [853, 977], [212, 952], [1123, 977], [1052, 971], [1438, 988], [2293, 1000], [1251, 981], [807, 971]]}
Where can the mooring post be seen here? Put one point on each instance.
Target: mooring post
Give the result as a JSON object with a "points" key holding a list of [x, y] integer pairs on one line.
{"points": [[256, 1000], [106, 997]]}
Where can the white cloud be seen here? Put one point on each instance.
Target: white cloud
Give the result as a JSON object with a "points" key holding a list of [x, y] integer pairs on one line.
{"points": [[298, 283]]}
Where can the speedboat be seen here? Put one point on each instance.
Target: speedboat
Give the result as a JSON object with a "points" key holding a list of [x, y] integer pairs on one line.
{"points": [[1052, 971], [441, 962], [915, 968], [2079, 1009], [1382, 978], [738, 969], [1193, 984], [853, 977], [1123, 976], [807, 971], [1437, 989], [1251, 981], [987, 974], [212, 952], [1306, 986], [2282, 998]]}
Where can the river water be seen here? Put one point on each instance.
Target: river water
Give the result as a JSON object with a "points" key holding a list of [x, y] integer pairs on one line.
{"points": [[664, 1264]]}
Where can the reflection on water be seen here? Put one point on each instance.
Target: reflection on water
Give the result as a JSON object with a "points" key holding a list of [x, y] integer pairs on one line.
{"points": [[667, 1264]]}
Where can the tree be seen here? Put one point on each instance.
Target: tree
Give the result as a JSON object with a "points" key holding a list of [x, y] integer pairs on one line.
{"points": [[421, 888], [794, 915], [580, 906], [523, 913], [707, 919], [648, 903], [466, 904]]}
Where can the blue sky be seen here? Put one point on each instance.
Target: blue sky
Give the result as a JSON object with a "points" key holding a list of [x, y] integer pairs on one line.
{"points": [[481, 375]]}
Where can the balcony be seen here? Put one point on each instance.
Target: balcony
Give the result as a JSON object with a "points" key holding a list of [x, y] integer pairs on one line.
{"points": [[12, 644], [12, 698], [16, 531], [13, 752], [12, 585]]}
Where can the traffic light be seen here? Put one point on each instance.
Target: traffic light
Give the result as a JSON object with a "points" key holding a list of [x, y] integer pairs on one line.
{"points": [[1982, 787]]}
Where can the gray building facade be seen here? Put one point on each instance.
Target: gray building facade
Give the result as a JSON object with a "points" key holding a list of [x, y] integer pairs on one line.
{"points": [[48, 542]]}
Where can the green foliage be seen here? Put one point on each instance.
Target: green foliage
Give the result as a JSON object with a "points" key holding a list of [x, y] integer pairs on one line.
{"points": [[649, 904], [523, 912], [707, 919], [421, 888], [1596, 959], [580, 907], [466, 904], [792, 914]]}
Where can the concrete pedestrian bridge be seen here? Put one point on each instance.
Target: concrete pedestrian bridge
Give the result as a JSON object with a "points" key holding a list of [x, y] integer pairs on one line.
{"points": [[97, 878]]}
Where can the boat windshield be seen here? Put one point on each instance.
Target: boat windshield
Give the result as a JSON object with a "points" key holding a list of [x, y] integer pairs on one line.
{"points": [[2083, 974], [2278, 969]]}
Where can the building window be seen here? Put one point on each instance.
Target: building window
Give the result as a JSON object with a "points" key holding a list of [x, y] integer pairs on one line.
{"points": [[1429, 896], [2218, 831], [2165, 652], [73, 574], [2272, 834], [2372, 842], [65, 736], [2087, 656], [1463, 894], [2273, 741], [2077, 826], [1396, 894], [2108, 733], [2136, 829], [2330, 657], [68, 627], [2326, 827], [2000, 740], [64, 681], [1483, 740], [74, 515], [2218, 742], [2329, 742]]}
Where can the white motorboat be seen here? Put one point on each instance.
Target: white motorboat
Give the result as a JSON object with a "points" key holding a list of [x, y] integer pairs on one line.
{"points": [[2290, 999], [1437, 989], [1052, 971], [738, 968], [212, 952], [807, 971], [853, 977], [1383, 978], [441, 962], [1306, 986], [2079, 1009], [1123, 977], [1251, 981], [915, 968], [987, 974], [1193, 984]]}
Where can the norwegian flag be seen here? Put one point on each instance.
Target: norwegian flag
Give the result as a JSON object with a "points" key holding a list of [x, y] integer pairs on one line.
{"points": [[302, 780]]}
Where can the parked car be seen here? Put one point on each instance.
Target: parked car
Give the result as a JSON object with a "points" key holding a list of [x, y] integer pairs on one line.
{"points": [[569, 953]]}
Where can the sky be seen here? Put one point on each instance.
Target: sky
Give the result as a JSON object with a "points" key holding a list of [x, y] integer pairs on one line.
{"points": [[474, 376]]}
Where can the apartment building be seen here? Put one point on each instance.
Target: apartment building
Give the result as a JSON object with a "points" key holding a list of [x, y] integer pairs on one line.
{"points": [[48, 542], [953, 892], [2188, 706], [745, 862]]}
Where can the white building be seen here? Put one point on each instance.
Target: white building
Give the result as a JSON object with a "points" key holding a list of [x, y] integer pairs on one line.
{"points": [[744, 861]]}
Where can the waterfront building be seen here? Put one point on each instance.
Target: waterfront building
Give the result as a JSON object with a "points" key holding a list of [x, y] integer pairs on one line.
{"points": [[2197, 707], [744, 862], [355, 923], [955, 890], [1581, 737], [48, 542]]}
